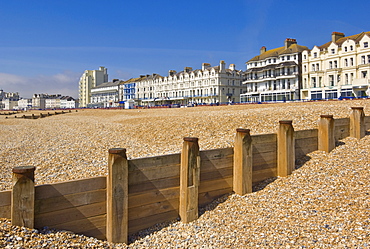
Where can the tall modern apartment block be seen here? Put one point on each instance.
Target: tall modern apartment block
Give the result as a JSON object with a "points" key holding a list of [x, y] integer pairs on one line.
{"points": [[338, 69], [89, 80], [274, 75]]}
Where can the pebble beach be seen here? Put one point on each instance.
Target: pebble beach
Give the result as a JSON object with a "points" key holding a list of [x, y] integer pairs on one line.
{"points": [[323, 204]]}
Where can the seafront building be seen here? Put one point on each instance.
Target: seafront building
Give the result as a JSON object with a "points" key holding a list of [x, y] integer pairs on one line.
{"points": [[105, 94], [274, 75], [208, 85], [89, 80], [338, 69]]}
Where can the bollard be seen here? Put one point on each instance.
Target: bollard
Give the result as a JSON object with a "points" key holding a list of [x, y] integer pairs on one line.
{"points": [[286, 151], [242, 170], [189, 179], [357, 122], [117, 196], [23, 197], [326, 140]]}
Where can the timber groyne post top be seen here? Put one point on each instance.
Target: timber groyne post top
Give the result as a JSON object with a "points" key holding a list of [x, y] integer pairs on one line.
{"points": [[242, 130], [285, 121], [357, 108], [357, 122], [191, 139], [118, 151], [27, 171], [326, 116]]}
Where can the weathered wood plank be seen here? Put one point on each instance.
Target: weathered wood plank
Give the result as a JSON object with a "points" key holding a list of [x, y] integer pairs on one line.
{"points": [[154, 185], [153, 196], [83, 225], [306, 134], [97, 232], [264, 159], [217, 174], [367, 122], [207, 186], [207, 197], [215, 159], [5, 198], [70, 187], [264, 138], [69, 201], [70, 214], [5, 212], [142, 223], [153, 208], [149, 174], [153, 162], [261, 175], [341, 122]]}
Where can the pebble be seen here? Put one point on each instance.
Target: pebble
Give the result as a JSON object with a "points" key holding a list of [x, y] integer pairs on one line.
{"points": [[323, 204]]}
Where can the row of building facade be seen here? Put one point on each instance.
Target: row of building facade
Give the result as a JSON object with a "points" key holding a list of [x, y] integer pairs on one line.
{"points": [[12, 101], [337, 69]]}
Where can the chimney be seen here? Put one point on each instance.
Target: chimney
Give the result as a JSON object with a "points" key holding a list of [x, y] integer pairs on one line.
{"points": [[114, 80], [205, 66], [335, 36], [263, 50], [232, 67], [188, 69], [222, 66], [171, 72], [142, 76], [289, 42]]}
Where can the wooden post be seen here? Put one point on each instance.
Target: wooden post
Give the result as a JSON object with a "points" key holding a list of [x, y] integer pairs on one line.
{"points": [[23, 197], [357, 122], [189, 179], [286, 151], [326, 141], [242, 170], [117, 196]]}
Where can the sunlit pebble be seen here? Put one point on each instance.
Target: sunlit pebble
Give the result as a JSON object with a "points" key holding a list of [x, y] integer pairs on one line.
{"points": [[322, 204]]}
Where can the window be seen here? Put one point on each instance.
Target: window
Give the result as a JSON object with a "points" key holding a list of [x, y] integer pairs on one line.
{"points": [[346, 79], [331, 80], [346, 62], [304, 57], [364, 74], [368, 59], [332, 51], [363, 59], [288, 58], [335, 64], [315, 55], [330, 64], [305, 68], [282, 58], [351, 48], [345, 49], [313, 81], [317, 67], [313, 67], [366, 44], [351, 61]]}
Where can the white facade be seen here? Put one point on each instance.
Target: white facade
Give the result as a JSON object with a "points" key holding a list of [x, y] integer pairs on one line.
{"points": [[337, 69], [274, 75], [209, 85], [89, 80], [67, 102], [24, 104], [105, 95]]}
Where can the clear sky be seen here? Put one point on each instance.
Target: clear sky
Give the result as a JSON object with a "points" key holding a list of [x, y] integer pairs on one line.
{"points": [[46, 45]]}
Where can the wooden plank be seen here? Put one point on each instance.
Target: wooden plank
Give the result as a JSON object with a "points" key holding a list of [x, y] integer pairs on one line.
{"points": [[264, 138], [262, 159], [5, 212], [149, 174], [304, 146], [207, 186], [367, 122], [153, 208], [341, 121], [341, 132], [154, 185], [306, 134], [264, 148], [207, 197], [5, 198], [69, 201], [70, 187], [146, 222], [217, 174], [83, 225], [215, 159], [97, 232], [152, 196], [70, 214], [261, 175], [153, 162]]}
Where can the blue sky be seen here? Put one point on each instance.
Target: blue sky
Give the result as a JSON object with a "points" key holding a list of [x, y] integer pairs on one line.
{"points": [[45, 46]]}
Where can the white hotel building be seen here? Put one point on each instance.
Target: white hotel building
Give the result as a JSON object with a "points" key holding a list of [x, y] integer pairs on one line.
{"points": [[209, 85], [274, 75], [89, 80], [338, 69]]}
